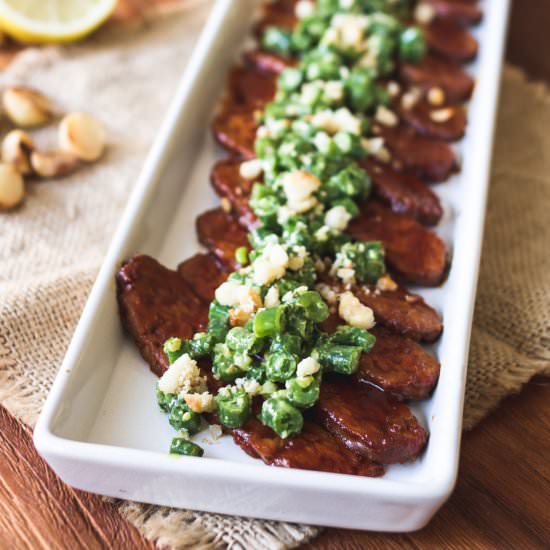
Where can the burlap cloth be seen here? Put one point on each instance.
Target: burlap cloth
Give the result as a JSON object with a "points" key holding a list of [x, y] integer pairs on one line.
{"points": [[51, 248]]}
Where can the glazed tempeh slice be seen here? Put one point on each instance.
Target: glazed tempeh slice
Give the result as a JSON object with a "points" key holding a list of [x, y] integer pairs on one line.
{"points": [[396, 364], [413, 252], [399, 366], [313, 449], [234, 128], [203, 274], [155, 303], [451, 40], [404, 193], [445, 122], [369, 421], [430, 159], [228, 182], [433, 72], [222, 235], [399, 310], [466, 12]]}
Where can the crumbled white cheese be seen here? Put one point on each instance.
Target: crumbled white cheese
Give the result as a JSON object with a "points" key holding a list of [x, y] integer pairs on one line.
{"points": [[376, 147], [326, 292], [442, 115], [271, 298], [337, 218], [347, 274], [385, 116], [200, 402], [225, 204], [411, 98], [354, 312], [436, 96], [341, 120], [386, 283], [270, 265], [299, 187], [307, 367], [250, 386], [234, 294], [424, 13], [334, 90], [216, 431], [348, 30], [182, 375], [393, 88], [304, 8], [322, 233], [251, 169]]}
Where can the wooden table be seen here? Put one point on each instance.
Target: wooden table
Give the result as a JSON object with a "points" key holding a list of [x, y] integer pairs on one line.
{"points": [[502, 499]]}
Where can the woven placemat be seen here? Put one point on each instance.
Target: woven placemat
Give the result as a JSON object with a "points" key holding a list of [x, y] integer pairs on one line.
{"points": [[51, 247]]}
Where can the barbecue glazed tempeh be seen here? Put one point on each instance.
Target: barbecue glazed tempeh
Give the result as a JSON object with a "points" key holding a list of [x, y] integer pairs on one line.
{"points": [[369, 421], [404, 193], [433, 72], [413, 252], [399, 310], [155, 303], [313, 449], [203, 274], [265, 341], [451, 40], [466, 12], [222, 235], [399, 366]]}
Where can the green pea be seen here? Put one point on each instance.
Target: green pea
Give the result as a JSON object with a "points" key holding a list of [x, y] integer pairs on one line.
{"points": [[280, 366], [282, 417], [234, 408], [241, 255], [412, 46], [277, 40], [239, 339], [182, 446]]}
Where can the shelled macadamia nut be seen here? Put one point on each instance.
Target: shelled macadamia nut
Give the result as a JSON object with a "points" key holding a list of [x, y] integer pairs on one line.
{"points": [[12, 187], [27, 107], [55, 163], [17, 147], [82, 135]]}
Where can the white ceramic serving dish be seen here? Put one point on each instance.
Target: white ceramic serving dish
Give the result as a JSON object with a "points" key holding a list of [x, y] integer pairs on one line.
{"points": [[101, 430]]}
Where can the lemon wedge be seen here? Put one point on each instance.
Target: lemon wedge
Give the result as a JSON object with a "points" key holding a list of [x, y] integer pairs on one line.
{"points": [[51, 21]]}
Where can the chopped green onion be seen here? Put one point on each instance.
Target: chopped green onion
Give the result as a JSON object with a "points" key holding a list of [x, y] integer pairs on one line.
{"points": [[182, 446], [282, 417]]}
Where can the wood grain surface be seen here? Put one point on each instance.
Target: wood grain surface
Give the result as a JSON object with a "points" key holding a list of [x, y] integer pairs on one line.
{"points": [[502, 499]]}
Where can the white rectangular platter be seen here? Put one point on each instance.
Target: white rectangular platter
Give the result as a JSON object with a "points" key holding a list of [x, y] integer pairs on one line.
{"points": [[101, 429]]}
